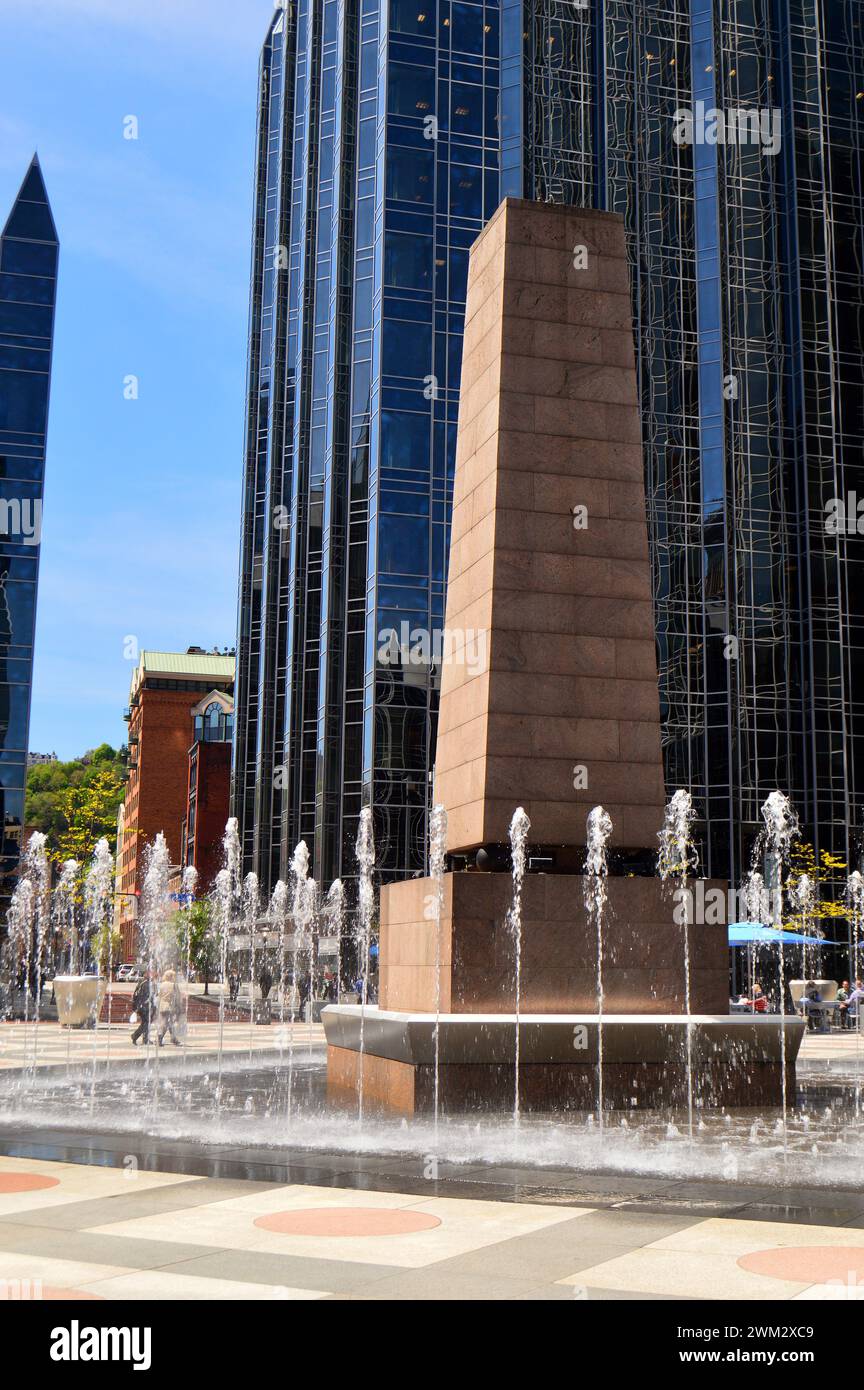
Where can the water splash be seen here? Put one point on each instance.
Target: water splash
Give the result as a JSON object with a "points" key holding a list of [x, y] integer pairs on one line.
{"points": [[599, 831], [518, 834], [65, 915], [334, 916], [780, 821], [99, 891], [365, 851], [676, 860], [300, 917], [311, 933], [854, 896], [772, 848], [226, 896], [18, 948], [277, 914], [437, 866], [803, 896], [99, 915], [250, 911], [189, 881], [155, 910], [756, 903]]}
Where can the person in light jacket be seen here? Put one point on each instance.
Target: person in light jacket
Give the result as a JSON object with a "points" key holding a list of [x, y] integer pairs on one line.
{"points": [[169, 1007]]}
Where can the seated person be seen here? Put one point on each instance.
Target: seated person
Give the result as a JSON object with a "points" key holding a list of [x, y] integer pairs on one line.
{"points": [[758, 1004], [853, 1003], [843, 1004], [810, 1006]]}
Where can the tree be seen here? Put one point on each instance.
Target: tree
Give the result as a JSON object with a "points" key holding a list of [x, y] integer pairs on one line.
{"points": [[88, 812], [822, 876], [195, 940], [49, 783], [107, 948]]}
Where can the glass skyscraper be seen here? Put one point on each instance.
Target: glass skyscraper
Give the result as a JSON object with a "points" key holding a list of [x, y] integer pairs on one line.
{"points": [[377, 167], [28, 283], [387, 136]]}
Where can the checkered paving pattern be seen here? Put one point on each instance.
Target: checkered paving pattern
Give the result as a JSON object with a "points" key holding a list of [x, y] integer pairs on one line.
{"points": [[87, 1232]]}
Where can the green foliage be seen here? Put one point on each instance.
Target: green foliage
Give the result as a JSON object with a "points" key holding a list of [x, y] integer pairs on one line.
{"points": [[76, 803], [823, 875], [107, 948], [196, 941]]}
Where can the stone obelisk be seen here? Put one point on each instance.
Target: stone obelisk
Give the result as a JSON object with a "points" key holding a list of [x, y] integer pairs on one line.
{"points": [[549, 584], [549, 700], [549, 544]]}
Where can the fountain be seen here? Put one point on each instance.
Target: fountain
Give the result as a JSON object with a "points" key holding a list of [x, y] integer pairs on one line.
{"points": [[334, 916], [437, 866], [563, 710], [803, 898], [258, 1103], [277, 915], [365, 849], [676, 860], [772, 848], [79, 996], [250, 910], [518, 836], [227, 897], [529, 978]]}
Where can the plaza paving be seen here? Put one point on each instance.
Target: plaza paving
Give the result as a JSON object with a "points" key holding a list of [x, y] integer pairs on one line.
{"points": [[71, 1230], [24, 1045], [89, 1215]]}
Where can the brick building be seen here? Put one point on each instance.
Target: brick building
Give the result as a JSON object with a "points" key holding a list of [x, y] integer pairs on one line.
{"points": [[166, 692], [209, 786]]}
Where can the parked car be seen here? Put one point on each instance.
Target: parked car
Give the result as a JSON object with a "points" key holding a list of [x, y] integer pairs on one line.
{"points": [[130, 973]]}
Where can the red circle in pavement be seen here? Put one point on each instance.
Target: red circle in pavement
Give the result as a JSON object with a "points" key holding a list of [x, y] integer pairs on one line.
{"points": [[808, 1264], [49, 1293], [348, 1221], [25, 1182]]}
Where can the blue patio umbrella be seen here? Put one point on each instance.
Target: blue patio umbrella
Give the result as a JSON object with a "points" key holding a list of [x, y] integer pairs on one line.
{"points": [[754, 934]]}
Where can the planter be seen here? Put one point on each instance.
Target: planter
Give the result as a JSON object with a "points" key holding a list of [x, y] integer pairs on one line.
{"points": [[79, 999]]}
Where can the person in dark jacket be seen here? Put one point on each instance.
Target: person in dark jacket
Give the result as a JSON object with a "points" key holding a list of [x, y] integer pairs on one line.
{"points": [[142, 1005]]}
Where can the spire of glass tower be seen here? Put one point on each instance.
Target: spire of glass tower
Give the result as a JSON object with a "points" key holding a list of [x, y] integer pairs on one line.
{"points": [[29, 252]]}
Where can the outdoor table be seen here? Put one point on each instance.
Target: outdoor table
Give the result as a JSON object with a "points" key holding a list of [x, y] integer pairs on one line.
{"points": [[823, 1007]]}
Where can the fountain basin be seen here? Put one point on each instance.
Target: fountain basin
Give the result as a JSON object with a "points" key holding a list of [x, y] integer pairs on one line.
{"points": [[79, 999], [737, 1061]]}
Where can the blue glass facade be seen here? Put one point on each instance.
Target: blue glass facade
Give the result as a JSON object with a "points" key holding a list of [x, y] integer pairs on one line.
{"points": [[748, 291], [28, 281], [387, 137], [377, 168]]}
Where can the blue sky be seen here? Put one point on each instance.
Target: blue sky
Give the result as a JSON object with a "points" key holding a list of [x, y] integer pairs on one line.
{"points": [[142, 498]]}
